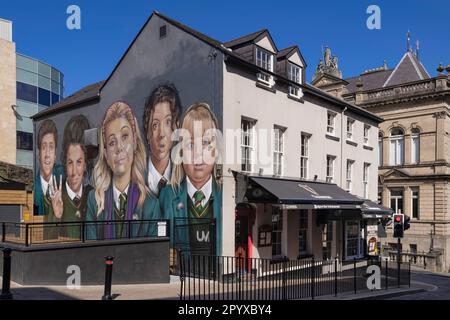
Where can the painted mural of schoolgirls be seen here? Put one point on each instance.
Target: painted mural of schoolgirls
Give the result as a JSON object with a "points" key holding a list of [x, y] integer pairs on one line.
{"points": [[73, 192], [120, 192], [49, 173], [161, 117], [194, 192]]}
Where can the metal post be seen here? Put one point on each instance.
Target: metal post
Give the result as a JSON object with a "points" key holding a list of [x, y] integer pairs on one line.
{"points": [[180, 259], [398, 262], [409, 274], [354, 275], [83, 231], [26, 234], [387, 273], [335, 277], [108, 278], [6, 282], [312, 279], [284, 280]]}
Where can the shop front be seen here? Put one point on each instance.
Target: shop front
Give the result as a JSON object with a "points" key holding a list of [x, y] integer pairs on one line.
{"points": [[287, 218]]}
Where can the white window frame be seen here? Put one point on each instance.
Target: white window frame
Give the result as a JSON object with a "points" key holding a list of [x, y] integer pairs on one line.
{"points": [[396, 200], [366, 171], [279, 223], [264, 60], [295, 75], [380, 151], [413, 196], [331, 123], [330, 168], [327, 239], [396, 144], [347, 238], [350, 125], [278, 150], [415, 148], [304, 155], [247, 163], [349, 175], [366, 134]]}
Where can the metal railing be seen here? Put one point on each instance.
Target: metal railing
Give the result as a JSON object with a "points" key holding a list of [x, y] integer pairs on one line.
{"points": [[235, 278], [81, 231]]}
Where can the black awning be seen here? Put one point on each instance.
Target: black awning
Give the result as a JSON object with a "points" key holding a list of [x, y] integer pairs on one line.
{"points": [[372, 210], [294, 194]]}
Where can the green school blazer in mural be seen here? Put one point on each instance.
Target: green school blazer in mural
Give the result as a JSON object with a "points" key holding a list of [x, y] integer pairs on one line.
{"points": [[72, 212], [150, 210], [38, 196], [174, 206]]}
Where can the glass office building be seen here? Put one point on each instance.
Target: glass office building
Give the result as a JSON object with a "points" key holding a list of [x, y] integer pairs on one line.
{"points": [[39, 86]]}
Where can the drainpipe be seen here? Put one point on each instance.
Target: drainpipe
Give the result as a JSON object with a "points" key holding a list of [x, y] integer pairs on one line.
{"points": [[342, 166], [342, 145]]}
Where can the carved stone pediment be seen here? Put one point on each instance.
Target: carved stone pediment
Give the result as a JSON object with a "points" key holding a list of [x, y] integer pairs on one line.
{"points": [[393, 174]]}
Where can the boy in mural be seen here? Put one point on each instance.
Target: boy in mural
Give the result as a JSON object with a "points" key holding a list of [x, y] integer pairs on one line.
{"points": [[161, 118], [194, 195], [120, 191], [73, 193], [48, 172]]}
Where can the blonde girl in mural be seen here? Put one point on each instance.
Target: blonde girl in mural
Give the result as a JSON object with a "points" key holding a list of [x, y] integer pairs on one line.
{"points": [[120, 191], [194, 195]]}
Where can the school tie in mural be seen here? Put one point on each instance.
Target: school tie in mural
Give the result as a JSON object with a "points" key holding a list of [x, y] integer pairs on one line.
{"points": [[198, 198], [161, 184]]}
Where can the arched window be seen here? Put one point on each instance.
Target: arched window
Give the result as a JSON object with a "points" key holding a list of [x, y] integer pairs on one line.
{"points": [[415, 145], [380, 149], [397, 147]]}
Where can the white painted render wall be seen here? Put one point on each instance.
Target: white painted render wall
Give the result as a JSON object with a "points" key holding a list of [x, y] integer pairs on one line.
{"points": [[243, 98]]}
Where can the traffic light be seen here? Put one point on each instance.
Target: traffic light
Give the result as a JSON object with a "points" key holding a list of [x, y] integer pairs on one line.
{"points": [[406, 224], [399, 219]]}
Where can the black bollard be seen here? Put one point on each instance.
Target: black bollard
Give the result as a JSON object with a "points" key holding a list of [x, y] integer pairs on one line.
{"points": [[6, 280], [108, 278]]}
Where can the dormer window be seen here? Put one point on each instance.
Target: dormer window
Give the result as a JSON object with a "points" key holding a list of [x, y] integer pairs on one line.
{"points": [[294, 74], [264, 60]]}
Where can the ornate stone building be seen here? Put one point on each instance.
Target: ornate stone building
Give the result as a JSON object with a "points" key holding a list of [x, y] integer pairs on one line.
{"points": [[414, 147]]}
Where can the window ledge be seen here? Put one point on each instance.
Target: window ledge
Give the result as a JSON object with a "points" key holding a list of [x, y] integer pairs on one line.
{"points": [[352, 143], [367, 147], [265, 86], [331, 137], [301, 100]]}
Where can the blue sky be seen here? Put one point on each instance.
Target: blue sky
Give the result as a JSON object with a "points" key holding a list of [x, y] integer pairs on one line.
{"points": [[108, 27]]}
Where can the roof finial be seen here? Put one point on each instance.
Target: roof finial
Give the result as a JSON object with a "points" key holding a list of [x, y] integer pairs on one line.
{"points": [[417, 49], [408, 38], [440, 68]]}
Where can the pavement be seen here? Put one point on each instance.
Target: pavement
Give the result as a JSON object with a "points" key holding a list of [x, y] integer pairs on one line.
{"points": [[170, 291], [382, 294], [159, 291]]}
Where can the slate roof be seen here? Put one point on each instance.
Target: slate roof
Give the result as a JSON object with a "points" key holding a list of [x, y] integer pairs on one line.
{"points": [[244, 39], [372, 80], [409, 69], [92, 91], [85, 94], [284, 52]]}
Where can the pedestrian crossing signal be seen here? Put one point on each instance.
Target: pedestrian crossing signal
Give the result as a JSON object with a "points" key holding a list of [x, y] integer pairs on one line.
{"points": [[399, 219]]}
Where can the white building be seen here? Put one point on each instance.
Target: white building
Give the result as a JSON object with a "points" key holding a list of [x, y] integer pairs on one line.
{"points": [[320, 138], [252, 86]]}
